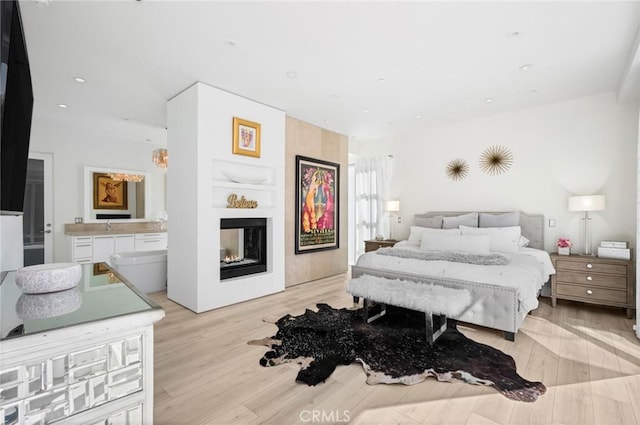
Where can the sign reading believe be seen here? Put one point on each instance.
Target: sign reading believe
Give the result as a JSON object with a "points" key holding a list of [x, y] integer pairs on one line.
{"points": [[234, 202]]}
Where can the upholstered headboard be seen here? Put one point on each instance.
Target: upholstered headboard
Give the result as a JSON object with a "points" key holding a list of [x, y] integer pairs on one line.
{"points": [[531, 225]]}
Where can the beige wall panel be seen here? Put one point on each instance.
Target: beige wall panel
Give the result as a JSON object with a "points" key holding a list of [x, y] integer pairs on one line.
{"points": [[311, 141]]}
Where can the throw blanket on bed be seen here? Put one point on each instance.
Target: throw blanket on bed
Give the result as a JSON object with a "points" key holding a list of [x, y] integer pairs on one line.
{"points": [[454, 256]]}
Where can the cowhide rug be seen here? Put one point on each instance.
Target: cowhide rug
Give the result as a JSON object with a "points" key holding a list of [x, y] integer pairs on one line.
{"points": [[392, 349]]}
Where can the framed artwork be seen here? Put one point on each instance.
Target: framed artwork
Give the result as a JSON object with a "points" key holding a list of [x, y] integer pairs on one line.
{"points": [[317, 195], [100, 268], [109, 194], [102, 278], [246, 137]]}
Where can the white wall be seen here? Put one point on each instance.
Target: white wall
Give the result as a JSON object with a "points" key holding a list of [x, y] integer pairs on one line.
{"points": [[69, 158], [199, 139], [581, 146]]}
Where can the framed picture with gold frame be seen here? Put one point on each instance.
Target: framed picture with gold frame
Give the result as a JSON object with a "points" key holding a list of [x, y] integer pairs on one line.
{"points": [[109, 194], [246, 137], [100, 268]]}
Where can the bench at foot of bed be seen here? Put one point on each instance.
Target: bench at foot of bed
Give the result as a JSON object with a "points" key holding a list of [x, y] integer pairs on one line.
{"points": [[435, 301], [492, 306], [435, 324]]}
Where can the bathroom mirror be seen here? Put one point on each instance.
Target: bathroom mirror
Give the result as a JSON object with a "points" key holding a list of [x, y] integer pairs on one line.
{"points": [[106, 197]]}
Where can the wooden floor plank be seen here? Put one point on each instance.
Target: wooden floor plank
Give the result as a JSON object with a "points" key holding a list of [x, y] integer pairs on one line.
{"points": [[206, 374]]}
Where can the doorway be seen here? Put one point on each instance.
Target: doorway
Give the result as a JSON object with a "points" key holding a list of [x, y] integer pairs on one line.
{"points": [[37, 225]]}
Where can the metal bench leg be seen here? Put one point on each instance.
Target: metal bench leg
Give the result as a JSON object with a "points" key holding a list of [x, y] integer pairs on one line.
{"points": [[434, 328], [428, 319], [365, 311]]}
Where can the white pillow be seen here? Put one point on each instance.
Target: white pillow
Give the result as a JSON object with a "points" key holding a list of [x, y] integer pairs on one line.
{"points": [[415, 236], [452, 222], [522, 242], [499, 220], [472, 244], [503, 239]]}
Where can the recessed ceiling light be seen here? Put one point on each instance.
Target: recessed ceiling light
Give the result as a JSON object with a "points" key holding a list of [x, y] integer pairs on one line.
{"points": [[533, 90], [527, 67], [513, 34], [381, 80], [327, 121], [292, 74], [147, 139], [418, 117], [230, 43], [79, 80], [365, 111], [62, 105], [489, 100]]}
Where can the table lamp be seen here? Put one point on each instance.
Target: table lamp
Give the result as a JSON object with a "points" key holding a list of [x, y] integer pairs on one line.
{"points": [[391, 207], [586, 204]]}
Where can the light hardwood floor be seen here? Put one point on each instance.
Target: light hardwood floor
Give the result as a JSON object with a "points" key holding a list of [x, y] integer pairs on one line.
{"points": [[205, 373]]}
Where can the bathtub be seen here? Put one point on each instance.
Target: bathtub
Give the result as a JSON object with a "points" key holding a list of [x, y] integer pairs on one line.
{"points": [[146, 270]]}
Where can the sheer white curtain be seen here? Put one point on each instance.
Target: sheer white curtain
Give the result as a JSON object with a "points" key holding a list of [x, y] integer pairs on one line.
{"points": [[371, 190]]}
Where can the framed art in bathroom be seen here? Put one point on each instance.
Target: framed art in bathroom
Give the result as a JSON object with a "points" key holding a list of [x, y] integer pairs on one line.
{"points": [[109, 194], [100, 268]]}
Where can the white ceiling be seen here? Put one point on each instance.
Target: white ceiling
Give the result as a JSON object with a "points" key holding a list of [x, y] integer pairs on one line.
{"points": [[397, 60]]}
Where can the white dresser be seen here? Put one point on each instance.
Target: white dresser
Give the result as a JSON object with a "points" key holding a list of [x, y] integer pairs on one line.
{"points": [[82, 357]]}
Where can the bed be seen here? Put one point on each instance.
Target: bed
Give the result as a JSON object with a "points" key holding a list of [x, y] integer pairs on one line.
{"points": [[502, 294]]}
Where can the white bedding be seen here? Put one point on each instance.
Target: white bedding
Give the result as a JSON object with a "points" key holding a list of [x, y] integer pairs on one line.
{"points": [[527, 271]]}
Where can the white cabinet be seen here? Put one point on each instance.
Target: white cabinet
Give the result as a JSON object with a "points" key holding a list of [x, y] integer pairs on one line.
{"points": [[124, 243], [103, 248], [151, 241], [99, 248], [80, 249]]}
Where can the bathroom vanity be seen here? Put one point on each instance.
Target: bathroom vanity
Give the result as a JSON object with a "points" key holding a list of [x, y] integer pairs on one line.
{"points": [[80, 356], [93, 243]]}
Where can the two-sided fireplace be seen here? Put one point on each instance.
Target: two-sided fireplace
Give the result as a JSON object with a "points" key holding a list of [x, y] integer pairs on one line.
{"points": [[243, 246]]}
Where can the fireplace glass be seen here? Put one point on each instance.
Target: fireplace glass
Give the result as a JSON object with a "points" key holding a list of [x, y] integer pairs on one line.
{"points": [[243, 246]]}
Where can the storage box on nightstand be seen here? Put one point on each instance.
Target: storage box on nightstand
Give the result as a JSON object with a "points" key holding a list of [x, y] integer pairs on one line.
{"points": [[613, 244], [620, 253]]}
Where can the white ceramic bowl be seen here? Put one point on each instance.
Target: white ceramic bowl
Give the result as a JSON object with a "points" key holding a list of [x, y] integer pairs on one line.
{"points": [[42, 306], [246, 176], [43, 278]]}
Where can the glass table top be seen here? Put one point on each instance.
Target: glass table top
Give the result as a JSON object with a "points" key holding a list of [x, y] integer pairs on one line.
{"points": [[101, 294]]}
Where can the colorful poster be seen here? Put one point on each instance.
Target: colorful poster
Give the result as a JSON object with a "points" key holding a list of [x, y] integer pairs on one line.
{"points": [[317, 219]]}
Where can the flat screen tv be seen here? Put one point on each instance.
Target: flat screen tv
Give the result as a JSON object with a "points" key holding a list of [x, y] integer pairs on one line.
{"points": [[16, 110]]}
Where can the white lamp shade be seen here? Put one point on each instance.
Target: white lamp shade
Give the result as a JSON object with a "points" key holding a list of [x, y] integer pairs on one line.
{"points": [[586, 203], [392, 206]]}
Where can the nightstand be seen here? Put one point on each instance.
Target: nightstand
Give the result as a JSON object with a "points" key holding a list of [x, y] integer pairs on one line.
{"points": [[373, 245], [596, 280]]}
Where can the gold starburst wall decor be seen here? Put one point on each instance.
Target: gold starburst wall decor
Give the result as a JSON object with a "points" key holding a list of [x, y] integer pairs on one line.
{"points": [[457, 169], [496, 160]]}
